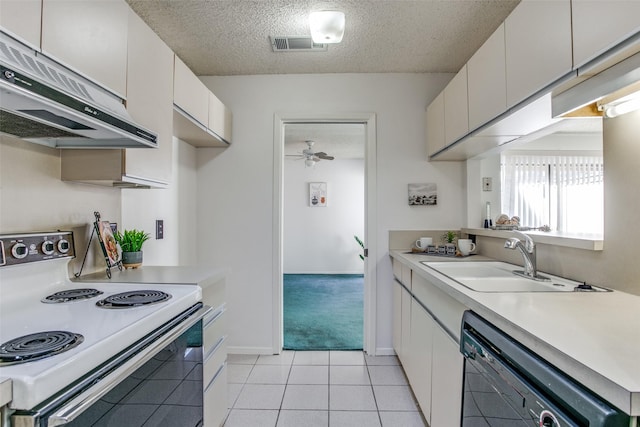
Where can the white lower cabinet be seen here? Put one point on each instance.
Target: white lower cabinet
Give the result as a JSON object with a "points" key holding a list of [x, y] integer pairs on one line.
{"points": [[446, 380], [428, 353], [214, 369], [397, 320], [406, 330], [420, 356], [215, 399]]}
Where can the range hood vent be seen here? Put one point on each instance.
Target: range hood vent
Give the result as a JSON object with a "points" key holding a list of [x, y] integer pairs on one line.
{"points": [[41, 101], [296, 44]]}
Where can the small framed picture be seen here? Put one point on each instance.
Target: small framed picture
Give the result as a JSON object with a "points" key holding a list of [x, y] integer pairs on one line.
{"points": [[317, 194], [423, 194]]}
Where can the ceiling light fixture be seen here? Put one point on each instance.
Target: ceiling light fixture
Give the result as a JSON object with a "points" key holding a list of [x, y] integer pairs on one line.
{"points": [[327, 26], [309, 163]]}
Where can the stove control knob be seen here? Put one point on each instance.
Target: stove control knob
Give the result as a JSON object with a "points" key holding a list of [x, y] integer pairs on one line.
{"points": [[19, 250], [48, 248], [63, 246]]}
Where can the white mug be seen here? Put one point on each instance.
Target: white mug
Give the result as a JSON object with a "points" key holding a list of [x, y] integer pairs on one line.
{"points": [[423, 242], [466, 246]]}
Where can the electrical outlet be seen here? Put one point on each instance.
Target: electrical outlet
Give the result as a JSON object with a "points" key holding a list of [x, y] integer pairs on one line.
{"points": [[159, 229], [486, 184]]}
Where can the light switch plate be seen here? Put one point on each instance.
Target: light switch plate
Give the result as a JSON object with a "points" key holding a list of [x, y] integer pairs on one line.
{"points": [[159, 229], [486, 184]]}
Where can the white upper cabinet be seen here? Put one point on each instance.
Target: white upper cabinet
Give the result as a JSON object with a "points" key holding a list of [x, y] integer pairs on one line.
{"points": [[538, 47], [486, 77], [601, 24], [189, 93], [199, 118], [90, 37], [435, 125], [150, 99], [456, 108], [150, 103], [21, 18], [220, 118]]}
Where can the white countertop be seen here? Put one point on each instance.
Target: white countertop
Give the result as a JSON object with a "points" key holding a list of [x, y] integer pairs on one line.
{"points": [[593, 337], [202, 276]]}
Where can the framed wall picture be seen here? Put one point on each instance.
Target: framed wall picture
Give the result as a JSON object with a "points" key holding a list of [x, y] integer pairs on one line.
{"points": [[317, 194], [423, 194]]}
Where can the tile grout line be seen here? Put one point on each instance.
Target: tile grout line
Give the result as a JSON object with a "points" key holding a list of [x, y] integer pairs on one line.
{"points": [[329, 390], [375, 400], [286, 385]]}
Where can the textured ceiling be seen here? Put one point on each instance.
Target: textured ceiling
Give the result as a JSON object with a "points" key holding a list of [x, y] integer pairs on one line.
{"points": [[231, 37]]}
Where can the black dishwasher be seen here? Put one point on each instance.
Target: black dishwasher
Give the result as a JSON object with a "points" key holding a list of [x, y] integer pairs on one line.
{"points": [[505, 384]]}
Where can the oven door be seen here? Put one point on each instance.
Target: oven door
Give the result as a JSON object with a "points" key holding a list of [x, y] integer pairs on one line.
{"points": [[157, 381]]}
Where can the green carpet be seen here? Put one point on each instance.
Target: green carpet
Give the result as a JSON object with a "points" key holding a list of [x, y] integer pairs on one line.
{"points": [[323, 311]]}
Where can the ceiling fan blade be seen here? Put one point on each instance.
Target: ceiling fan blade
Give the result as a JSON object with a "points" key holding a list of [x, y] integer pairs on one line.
{"points": [[324, 156]]}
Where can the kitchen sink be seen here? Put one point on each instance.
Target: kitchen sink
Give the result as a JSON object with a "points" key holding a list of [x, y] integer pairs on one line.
{"points": [[496, 276]]}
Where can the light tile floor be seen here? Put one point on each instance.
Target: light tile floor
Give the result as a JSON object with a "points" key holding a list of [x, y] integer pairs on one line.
{"points": [[319, 388]]}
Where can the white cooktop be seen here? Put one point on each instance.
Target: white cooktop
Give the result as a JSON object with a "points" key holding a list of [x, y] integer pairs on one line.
{"points": [[106, 331]]}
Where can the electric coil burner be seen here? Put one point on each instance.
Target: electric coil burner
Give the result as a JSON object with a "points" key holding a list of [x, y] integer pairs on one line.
{"points": [[71, 295], [133, 299], [37, 346]]}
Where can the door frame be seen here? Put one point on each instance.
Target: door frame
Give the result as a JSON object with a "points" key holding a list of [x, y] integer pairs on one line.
{"points": [[370, 223]]}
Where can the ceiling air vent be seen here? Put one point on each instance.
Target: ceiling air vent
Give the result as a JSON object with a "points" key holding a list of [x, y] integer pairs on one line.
{"points": [[296, 44]]}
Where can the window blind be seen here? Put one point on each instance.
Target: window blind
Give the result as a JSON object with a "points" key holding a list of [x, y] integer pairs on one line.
{"points": [[564, 192]]}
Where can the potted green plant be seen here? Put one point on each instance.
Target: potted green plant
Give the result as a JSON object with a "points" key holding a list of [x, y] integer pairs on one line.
{"points": [[449, 239], [130, 242]]}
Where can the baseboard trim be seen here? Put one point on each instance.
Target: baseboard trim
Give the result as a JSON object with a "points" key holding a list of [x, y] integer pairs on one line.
{"points": [[249, 350], [384, 351]]}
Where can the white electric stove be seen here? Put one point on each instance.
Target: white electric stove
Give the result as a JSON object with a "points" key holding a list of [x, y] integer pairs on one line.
{"points": [[35, 267]]}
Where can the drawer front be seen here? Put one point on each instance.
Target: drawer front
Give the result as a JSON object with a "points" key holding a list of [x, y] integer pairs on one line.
{"points": [[212, 363], [214, 295], [214, 328], [406, 276], [446, 310], [215, 400], [397, 269]]}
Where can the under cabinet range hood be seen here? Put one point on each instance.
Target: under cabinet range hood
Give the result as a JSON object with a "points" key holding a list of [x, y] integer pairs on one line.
{"points": [[41, 101]]}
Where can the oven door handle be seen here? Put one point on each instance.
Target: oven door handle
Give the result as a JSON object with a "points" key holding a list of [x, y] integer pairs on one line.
{"points": [[78, 405]]}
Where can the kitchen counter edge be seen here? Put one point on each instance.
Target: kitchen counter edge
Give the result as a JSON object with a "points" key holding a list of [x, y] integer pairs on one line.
{"points": [[202, 276]]}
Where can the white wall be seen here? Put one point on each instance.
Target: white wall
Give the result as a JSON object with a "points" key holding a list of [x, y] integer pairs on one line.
{"points": [[235, 185], [174, 205], [34, 199], [477, 198], [319, 240]]}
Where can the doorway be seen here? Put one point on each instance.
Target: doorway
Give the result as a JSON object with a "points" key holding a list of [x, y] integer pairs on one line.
{"points": [[369, 238], [323, 284]]}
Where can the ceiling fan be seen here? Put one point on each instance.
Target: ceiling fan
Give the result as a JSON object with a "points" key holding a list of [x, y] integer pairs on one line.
{"points": [[310, 157]]}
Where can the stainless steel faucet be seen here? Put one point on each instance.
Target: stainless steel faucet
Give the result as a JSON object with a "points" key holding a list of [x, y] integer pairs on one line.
{"points": [[528, 251]]}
